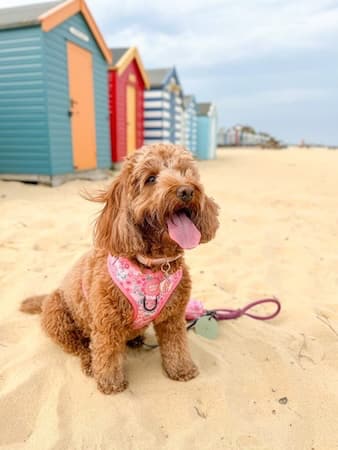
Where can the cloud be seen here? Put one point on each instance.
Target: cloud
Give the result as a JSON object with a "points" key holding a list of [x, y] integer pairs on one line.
{"points": [[265, 62], [222, 31], [199, 34], [275, 97]]}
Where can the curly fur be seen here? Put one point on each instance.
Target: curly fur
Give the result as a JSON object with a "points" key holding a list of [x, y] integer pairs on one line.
{"points": [[96, 327]]}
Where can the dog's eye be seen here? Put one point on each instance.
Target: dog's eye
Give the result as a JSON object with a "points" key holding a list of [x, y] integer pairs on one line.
{"points": [[151, 179]]}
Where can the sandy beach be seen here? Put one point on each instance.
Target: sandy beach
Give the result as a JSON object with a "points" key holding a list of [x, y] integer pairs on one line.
{"points": [[262, 385]]}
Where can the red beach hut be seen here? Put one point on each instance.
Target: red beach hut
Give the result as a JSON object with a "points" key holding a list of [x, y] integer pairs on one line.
{"points": [[127, 82]]}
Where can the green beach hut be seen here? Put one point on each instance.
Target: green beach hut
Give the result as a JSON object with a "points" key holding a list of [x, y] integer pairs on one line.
{"points": [[53, 93]]}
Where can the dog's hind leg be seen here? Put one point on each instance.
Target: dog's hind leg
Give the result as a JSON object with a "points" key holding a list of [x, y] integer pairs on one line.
{"points": [[58, 323]]}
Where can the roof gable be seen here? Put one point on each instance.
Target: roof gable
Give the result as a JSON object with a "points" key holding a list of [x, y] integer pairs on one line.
{"points": [[157, 76], [118, 52], [25, 15], [206, 109], [49, 15], [188, 100], [122, 57], [160, 77], [165, 78]]}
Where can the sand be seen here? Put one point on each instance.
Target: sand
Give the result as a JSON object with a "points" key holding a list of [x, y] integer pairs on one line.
{"points": [[278, 236]]}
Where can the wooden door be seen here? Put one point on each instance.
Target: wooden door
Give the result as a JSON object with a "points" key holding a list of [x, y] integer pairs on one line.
{"points": [[82, 106], [131, 119]]}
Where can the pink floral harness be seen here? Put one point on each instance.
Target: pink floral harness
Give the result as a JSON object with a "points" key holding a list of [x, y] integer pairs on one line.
{"points": [[147, 292]]}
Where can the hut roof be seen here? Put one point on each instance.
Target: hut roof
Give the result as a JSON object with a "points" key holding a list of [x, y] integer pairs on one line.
{"points": [[49, 15], [24, 16], [158, 77], [187, 99], [123, 56], [118, 52], [203, 109]]}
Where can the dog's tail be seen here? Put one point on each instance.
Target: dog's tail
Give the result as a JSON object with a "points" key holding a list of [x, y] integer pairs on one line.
{"points": [[32, 305]]}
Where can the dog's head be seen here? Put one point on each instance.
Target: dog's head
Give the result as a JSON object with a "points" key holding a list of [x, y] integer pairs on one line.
{"points": [[156, 206]]}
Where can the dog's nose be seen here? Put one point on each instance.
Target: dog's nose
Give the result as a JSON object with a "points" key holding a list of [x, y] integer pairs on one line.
{"points": [[185, 193]]}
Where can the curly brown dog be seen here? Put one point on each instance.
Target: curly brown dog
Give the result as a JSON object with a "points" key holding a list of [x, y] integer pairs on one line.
{"points": [[136, 273]]}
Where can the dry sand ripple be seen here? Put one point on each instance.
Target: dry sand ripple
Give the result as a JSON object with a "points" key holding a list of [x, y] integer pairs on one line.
{"points": [[270, 386]]}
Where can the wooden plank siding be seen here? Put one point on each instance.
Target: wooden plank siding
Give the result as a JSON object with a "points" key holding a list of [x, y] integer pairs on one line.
{"points": [[35, 132], [24, 134]]}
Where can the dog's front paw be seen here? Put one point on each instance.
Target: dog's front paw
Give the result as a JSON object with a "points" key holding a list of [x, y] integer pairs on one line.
{"points": [[108, 386], [182, 371]]}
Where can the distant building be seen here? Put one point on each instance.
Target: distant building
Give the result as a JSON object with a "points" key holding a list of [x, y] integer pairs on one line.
{"points": [[241, 135], [221, 137], [230, 136]]}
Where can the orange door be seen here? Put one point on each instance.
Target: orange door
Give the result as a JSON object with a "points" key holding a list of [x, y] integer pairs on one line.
{"points": [[82, 108], [131, 119]]}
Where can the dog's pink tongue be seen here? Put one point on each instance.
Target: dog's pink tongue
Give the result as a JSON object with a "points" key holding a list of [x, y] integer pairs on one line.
{"points": [[183, 231]]}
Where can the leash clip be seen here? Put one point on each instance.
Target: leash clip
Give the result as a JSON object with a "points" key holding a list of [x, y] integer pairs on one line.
{"points": [[210, 313]]}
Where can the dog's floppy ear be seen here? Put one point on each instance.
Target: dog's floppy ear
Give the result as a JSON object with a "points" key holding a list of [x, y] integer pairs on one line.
{"points": [[208, 221], [115, 229]]}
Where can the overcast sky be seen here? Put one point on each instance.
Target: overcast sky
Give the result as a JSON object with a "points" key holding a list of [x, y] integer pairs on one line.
{"points": [[272, 64]]}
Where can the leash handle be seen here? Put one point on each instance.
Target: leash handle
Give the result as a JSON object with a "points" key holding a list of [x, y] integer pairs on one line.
{"points": [[227, 314], [195, 310]]}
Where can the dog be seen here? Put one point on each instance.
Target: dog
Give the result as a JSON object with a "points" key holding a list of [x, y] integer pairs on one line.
{"points": [[135, 274]]}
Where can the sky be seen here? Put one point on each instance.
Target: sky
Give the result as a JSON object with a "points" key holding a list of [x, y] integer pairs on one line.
{"points": [[270, 64]]}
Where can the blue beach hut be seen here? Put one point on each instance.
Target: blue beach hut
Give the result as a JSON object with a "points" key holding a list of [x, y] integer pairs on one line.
{"points": [[53, 93], [206, 131], [190, 123], [163, 107]]}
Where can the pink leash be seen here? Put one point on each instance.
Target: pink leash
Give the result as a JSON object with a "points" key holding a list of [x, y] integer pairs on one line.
{"points": [[195, 310], [226, 314]]}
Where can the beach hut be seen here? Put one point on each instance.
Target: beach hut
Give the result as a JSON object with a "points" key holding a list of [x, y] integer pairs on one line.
{"points": [[232, 135], [189, 125], [221, 137], [163, 107], [206, 130], [127, 82], [53, 93]]}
